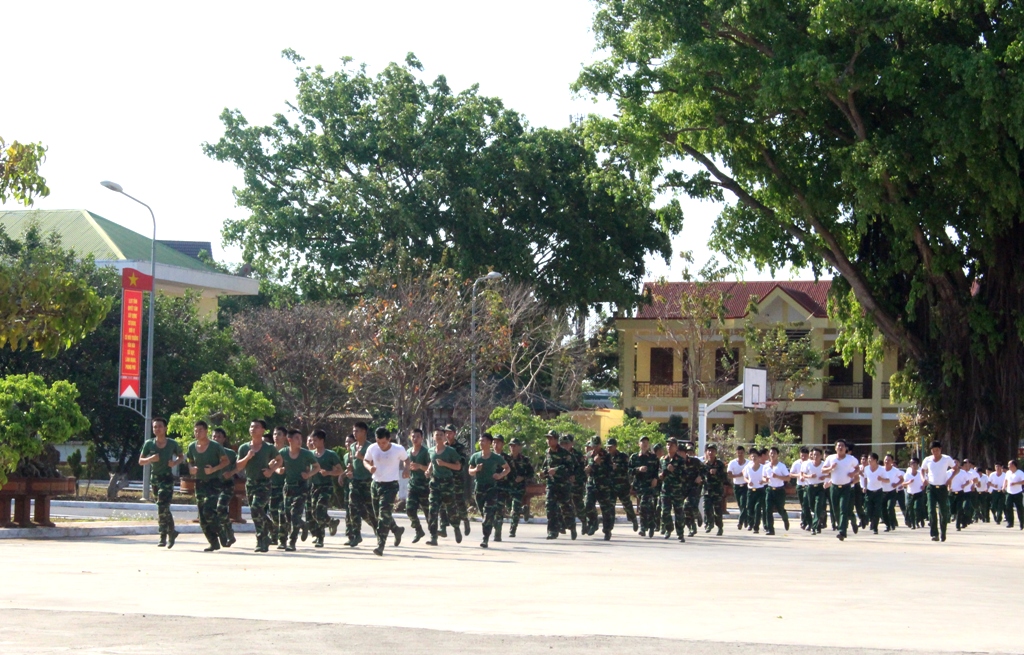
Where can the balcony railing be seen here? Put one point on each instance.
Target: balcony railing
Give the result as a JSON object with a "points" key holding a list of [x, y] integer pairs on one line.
{"points": [[855, 391], [676, 390]]}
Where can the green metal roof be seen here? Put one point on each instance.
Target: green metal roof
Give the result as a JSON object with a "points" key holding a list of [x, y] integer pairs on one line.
{"points": [[90, 234]]}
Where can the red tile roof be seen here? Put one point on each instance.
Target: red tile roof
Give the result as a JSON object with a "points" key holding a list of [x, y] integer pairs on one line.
{"points": [[665, 297]]}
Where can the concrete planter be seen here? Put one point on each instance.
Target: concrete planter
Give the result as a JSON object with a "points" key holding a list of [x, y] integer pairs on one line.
{"points": [[22, 491]]}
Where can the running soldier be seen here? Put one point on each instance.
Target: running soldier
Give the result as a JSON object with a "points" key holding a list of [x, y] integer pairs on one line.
{"points": [[522, 473], [298, 466], [360, 502], [504, 485], [693, 477], [578, 480], [672, 491], [644, 468], [801, 487], [913, 485], [227, 490], [444, 464], [600, 488], [811, 474], [206, 459], [259, 460], [419, 491], [321, 489], [715, 479], [488, 468], [557, 468], [621, 470], [164, 455], [739, 486], [459, 480], [384, 461]]}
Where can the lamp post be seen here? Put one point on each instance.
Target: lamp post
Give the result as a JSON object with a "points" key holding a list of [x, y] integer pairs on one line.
{"points": [[148, 429], [493, 275]]}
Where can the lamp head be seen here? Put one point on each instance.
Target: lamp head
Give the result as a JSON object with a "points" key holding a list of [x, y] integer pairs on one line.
{"points": [[493, 275], [113, 186]]}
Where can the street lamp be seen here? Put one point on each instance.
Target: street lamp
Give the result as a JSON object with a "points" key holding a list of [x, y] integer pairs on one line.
{"points": [[493, 275], [147, 430]]}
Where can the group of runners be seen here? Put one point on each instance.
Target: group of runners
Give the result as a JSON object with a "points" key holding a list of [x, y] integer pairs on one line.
{"points": [[291, 479]]}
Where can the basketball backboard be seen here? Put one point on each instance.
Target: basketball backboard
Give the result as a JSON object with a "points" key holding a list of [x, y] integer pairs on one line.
{"points": [[755, 388]]}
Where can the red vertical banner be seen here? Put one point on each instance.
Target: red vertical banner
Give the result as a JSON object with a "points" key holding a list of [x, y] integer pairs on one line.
{"points": [[131, 344]]}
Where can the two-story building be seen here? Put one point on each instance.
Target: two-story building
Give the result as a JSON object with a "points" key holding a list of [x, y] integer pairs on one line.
{"points": [[851, 402]]}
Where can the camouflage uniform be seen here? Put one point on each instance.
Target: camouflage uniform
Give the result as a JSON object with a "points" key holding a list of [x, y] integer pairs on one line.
{"points": [[646, 493], [162, 481], [693, 473], [521, 468], [208, 488], [226, 493], [278, 524], [621, 487], [458, 486], [716, 476], [442, 495], [600, 490], [673, 495], [561, 513], [360, 497], [258, 491], [579, 485], [419, 490], [321, 491], [383, 495], [487, 491]]}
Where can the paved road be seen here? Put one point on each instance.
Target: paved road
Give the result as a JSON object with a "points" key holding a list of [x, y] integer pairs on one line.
{"points": [[732, 594]]}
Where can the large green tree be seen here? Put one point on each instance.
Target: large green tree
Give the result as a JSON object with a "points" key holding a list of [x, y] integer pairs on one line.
{"points": [[366, 167], [878, 140]]}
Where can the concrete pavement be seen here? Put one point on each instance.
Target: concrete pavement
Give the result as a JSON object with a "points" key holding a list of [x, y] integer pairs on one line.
{"points": [[734, 591]]}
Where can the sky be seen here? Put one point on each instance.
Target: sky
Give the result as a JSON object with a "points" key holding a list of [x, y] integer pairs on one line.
{"points": [[129, 91]]}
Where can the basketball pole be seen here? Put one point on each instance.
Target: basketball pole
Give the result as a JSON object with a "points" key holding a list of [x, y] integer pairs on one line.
{"points": [[702, 413]]}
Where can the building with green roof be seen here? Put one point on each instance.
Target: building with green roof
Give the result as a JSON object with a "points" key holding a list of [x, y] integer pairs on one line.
{"points": [[113, 245]]}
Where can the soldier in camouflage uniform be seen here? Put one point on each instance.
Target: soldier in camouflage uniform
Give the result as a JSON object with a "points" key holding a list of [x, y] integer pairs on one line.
{"points": [[164, 455], [360, 501], [522, 473], [644, 467], [693, 477], [206, 460], [227, 490], [620, 466], [459, 480], [346, 484], [321, 488], [259, 460], [715, 478], [600, 488], [578, 480], [659, 452], [503, 494], [419, 490], [278, 522], [557, 469], [444, 464], [672, 472], [488, 468]]}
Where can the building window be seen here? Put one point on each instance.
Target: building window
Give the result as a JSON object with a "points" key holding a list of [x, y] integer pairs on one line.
{"points": [[662, 365], [840, 373]]}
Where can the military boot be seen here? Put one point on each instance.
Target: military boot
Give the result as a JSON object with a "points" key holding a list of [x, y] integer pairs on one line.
{"points": [[163, 540]]}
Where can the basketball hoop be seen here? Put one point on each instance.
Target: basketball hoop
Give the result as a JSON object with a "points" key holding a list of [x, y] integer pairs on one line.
{"points": [[755, 388]]}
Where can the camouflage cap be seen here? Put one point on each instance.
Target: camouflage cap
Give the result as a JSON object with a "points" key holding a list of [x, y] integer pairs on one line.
{"points": [[672, 440], [612, 442], [450, 428], [645, 438], [514, 441], [594, 441], [498, 437], [570, 437], [688, 446], [552, 433], [564, 439]]}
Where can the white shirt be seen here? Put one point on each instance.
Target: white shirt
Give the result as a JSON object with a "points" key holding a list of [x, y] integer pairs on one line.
{"points": [[961, 480], [778, 469], [894, 474], [973, 475], [937, 472], [388, 462], [736, 469], [808, 468], [755, 478], [844, 470], [995, 481], [871, 478], [916, 480], [983, 484], [1014, 477], [796, 468]]}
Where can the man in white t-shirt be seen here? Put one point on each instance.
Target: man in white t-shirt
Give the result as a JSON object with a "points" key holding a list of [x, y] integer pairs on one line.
{"points": [[873, 479], [1013, 485], [890, 487], [814, 479], [913, 484], [996, 481], [970, 492], [739, 485], [982, 496], [776, 473], [801, 487], [384, 461], [958, 485], [756, 493], [937, 470], [843, 471]]}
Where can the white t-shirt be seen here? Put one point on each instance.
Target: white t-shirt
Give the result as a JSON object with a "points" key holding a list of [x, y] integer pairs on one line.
{"points": [[937, 472], [995, 481], [894, 474], [1014, 477], [960, 481], [808, 468], [983, 484], [795, 468], [870, 478], [779, 469], [388, 462], [736, 469], [916, 480], [755, 478], [844, 470]]}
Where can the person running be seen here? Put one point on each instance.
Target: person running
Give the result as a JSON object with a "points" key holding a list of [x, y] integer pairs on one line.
{"points": [[914, 485], [673, 493], [983, 507], [522, 473], [715, 479], [644, 469], [757, 493], [419, 490], [298, 465], [775, 495], [504, 486], [873, 478], [860, 495], [970, 492], [843, 470], [487, 468], [996, 483], [206, 459], [1013, 485], [445, 462], [164, 455], [360, 500], [384, 461], [227, 490], [321, 488], [960, 480], [801, 487], [814, 479], [600, 488], [278, 515], [259, 460], [739, 486], [459, 481], [937, 471], [557, 469], [620, 467], [890, 492]]}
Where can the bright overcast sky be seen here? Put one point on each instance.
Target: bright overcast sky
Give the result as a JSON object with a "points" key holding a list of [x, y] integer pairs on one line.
{"points": [[129, 91]]}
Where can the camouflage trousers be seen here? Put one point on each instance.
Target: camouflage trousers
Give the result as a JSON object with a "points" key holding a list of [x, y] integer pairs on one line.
{"points": [[622, 494], [257, 492], [561, 512], [647, 504], [360, 508], [712, 511], [227, 492], [441, 498], [319, 502], [488, 500], [383, 495], [516, 505], [691, 508], [278, 522], [295, 496], [672, 501], [579, 493], [416, 501], [207, 492], [503, 505], [163, 491], [605, 497]]}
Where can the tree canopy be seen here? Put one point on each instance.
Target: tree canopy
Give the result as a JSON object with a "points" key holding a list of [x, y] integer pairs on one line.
{"points": [[19, 171], [877, 140], [364, 168]]}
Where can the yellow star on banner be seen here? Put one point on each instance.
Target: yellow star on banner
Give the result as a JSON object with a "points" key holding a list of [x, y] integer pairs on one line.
{"points": [[132, 279]]}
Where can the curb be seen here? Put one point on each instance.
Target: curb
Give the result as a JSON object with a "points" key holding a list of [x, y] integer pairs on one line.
{"points": [[88, 532]]}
